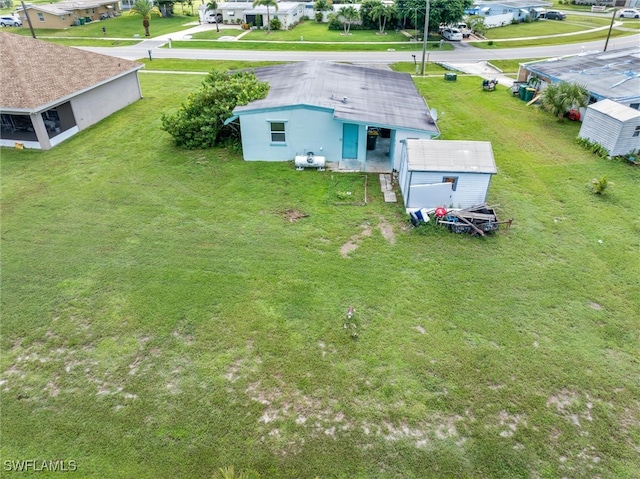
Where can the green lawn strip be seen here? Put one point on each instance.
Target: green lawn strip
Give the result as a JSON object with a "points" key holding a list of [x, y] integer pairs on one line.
{"points": [[573, 23], [317, 32], [124, 26], [304, 46], [162, 316], [91, 42], [510, 66], [185, 65], [213, 35], [555, 40]]}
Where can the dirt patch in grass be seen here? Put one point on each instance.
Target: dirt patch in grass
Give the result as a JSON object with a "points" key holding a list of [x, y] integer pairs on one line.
{"points": [[294, 215], [354, 241], [387, 230]]}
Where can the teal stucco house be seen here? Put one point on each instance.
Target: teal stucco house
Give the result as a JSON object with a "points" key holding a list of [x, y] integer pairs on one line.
{"points": [[353, 116]]}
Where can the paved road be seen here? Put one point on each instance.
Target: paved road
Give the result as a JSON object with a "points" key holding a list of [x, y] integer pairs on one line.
{"points": [[463, 52]]}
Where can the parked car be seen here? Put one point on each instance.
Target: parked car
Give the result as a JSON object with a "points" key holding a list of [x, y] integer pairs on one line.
{"points": [[212, 17], [629, 13], [555, 15], [10, 21], [452, 34]]}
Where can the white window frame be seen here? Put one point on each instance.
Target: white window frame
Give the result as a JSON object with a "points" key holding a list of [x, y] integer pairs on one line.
{"points": [[274, 134]]}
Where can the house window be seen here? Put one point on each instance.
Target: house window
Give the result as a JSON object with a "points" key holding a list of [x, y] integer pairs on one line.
{"points": [[635, 106], [451, 179], [41, 17], [637, 132], [277, 132]]}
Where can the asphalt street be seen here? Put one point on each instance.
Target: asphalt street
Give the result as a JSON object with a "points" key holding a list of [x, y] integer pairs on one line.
{"points": [[462, 52]]}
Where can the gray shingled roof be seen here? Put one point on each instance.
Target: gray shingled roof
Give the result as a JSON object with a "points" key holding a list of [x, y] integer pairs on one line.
{"points": [[614, 74], [373, 96], [35, 73], [451, 156]]}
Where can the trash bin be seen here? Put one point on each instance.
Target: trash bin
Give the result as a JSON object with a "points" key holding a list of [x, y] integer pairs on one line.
{"points": [[529, 92], [81, 21], [372, 137], [522, 93], [450, 76]]}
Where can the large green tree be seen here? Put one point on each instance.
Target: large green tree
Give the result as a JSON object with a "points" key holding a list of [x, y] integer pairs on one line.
{"points": [[144, 8], [350, 15], [321, 6], [383, 13], [366, 7], [559, 98], [268, 4], [440, 11], [199, 122]]}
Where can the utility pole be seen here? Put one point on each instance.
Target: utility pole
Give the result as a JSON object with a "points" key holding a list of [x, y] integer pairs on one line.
{"points": [[426, 34], [26, 14], [610, 28]]}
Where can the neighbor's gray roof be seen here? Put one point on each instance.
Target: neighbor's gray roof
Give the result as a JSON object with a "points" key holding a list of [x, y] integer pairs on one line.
{"points": [[35, 73], [65, 7], [373, 96], [615, 110], [451, 156], [614, 74]]}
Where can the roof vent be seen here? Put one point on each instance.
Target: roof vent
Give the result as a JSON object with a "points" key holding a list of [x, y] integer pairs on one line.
{"points": [[344, 99]]}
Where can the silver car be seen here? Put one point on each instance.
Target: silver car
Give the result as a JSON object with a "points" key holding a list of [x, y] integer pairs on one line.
{"points": [[10, 21], [629, 13]]}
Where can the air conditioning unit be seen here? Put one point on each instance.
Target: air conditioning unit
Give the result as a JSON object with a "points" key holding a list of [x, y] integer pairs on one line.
{"points": [[309, 161]]}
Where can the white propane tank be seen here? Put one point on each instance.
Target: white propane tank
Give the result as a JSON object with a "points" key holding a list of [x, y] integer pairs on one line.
{"points": [[309, 161]]}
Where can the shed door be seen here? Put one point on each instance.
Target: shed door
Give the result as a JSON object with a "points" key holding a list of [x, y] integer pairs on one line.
{"points": [[350, 140], [429, 196]]}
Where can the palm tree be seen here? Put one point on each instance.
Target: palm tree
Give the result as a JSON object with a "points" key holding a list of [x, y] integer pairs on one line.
{"points": [[559, 98], [144, 8], [350, 15], [267, 3], [213, 5], [322, 6], [381, 13]]}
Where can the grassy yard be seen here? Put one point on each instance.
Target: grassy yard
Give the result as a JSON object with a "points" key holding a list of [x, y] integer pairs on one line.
{"points": [[573, 23], [308, 46], [170, 312], [124, 26], [552, 40]]}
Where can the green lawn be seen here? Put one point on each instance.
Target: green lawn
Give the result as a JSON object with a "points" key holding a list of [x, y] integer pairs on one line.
{"points": [[124, 26], [163, 316], [306, 46], [318, 32], [573, 23], [553, 40]]}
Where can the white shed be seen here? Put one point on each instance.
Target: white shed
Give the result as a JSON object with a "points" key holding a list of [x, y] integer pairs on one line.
{"points": [[445, 173], [612, 125]]}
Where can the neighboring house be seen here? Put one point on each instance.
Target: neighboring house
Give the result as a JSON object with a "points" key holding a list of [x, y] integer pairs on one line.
{"points": [[50, 92], [66, 13], [612, 125], [331, 109], [445, 173], [497, 13], [613, 75], [289, 13]]}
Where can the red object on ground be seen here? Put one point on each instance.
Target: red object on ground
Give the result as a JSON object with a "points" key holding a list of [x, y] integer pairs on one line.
{"points": [[441, 212], [574, 115]]}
